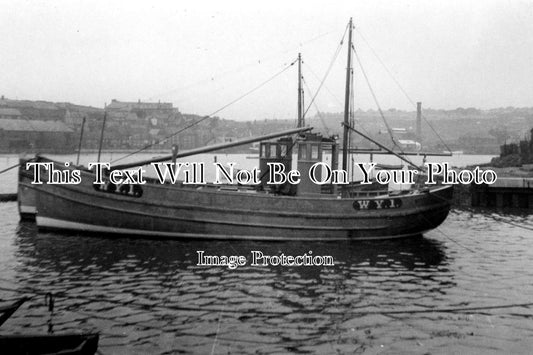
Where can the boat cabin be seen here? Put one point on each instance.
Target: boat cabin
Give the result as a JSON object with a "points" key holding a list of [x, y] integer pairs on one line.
{"points": [[311, 149]]}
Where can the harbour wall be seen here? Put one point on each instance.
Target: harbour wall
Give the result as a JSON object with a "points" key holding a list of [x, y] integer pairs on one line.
{"points": [[506, 192]]}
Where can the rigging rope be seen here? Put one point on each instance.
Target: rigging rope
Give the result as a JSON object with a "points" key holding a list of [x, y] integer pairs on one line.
{"points": [[401, 87], [237, 69], [376, 101], [332, 95], [11, 167], [335, 55], [325, 86], [208, 116], [317, 110]]}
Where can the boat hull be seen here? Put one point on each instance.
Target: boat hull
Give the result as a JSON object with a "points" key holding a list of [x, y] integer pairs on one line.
{"points": [[67, 344], [177, 211], [26, 194]]}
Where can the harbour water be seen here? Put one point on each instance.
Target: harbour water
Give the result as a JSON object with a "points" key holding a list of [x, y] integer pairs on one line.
{"points": [[430, 294]]}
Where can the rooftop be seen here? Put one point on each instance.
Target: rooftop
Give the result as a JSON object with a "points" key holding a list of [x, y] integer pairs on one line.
{"points": [[33, 125], [9, 112], [120, 105], [27, 104]]}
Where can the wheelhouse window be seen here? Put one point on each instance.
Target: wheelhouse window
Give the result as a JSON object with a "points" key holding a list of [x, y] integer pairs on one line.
{"points": [[272, 150], [282, 150], [314, 151], [302, 151], [263, 150]]}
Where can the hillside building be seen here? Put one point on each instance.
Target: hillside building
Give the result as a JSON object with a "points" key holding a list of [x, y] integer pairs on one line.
{"points": [[18, 135]]}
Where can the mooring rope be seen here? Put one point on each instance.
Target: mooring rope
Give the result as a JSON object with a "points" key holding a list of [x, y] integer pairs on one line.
{"points": [[511, 223], [446, 309]]}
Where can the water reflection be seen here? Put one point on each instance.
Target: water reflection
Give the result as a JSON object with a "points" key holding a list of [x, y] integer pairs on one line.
{"points": [[148, 296], [61, 253], [156, 287]]}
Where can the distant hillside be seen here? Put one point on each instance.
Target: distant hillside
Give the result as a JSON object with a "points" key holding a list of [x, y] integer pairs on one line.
{"points": [[470, 130], [129, 126], [133, 125]]}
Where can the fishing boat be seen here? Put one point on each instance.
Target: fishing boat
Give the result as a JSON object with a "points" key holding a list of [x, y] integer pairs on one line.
{"points": [[7, 310], [71, 344], [26, 194], [303, 211], [35, 344]]}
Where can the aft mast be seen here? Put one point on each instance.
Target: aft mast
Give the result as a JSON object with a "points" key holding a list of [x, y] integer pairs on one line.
{"points": [[301, 119], [345, 138]]}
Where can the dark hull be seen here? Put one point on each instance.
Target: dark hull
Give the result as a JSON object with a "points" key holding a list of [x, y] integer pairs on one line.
{"points": [[177, 211], [7, 311], [64, 344], [26, 194]]}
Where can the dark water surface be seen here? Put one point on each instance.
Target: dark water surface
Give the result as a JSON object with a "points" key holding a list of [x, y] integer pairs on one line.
{"points": [[148, 296]]}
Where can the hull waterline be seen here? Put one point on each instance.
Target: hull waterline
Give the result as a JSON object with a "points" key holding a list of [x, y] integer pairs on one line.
{"points": [[176, 211]]}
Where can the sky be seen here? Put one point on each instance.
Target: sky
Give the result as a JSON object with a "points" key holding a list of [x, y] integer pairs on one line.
{"points": [[203, 55]]}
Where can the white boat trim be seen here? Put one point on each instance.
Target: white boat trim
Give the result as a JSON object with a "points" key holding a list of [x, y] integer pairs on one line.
{"points": [[52, 223], [27, 209]]}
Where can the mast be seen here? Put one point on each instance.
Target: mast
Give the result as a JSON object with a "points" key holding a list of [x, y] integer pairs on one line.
{"points": [[102, 136], [345, 137], [81, 138], [301, 120]]}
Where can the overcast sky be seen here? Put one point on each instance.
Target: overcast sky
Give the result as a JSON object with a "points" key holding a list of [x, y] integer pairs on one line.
{"points": [[201, 55]]}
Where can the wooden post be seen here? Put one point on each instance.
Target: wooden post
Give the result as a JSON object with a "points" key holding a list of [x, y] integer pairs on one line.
{"points": [[174, 153], [79, 144], [334, 163], [419, 122], [101, 137]]}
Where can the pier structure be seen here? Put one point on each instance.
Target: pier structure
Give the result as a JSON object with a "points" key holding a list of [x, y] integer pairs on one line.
{"points": [[510, 192]]}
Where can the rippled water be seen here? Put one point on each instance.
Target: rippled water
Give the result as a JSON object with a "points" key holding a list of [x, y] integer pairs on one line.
{"points": [[148, 296]]}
